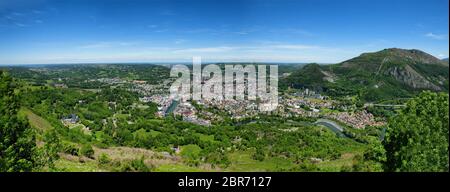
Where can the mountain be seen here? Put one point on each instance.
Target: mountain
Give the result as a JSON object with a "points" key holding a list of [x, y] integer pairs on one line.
{"points": [[445, 60], [386, 74]]}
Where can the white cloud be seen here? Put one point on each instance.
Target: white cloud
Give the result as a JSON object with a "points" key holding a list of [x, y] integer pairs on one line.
{"points": [[294, 31], [201, 30], [38, 11], [205, 50], [293, 46], [179, 41], [108, 45], [124, 51], [20, 25], [161, 30], [167, 13], [437, 36], [242, 32], [256, 48]]}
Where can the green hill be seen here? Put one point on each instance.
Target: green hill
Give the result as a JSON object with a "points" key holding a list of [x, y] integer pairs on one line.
{"points": [[387, 74]]}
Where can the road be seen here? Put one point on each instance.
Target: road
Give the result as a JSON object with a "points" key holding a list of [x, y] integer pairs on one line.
{"points": [[383, 105]]}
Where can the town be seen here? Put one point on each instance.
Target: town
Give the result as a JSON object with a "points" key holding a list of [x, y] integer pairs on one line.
{"points": [[303, 103]]}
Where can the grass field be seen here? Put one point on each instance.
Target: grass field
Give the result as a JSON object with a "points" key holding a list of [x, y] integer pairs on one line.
{"points": [[35, 120], [64, 165], [243, 161], [177, 168], [336, 165]]}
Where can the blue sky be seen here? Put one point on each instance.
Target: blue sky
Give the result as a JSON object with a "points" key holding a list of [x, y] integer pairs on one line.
{"points": [[324, 31]]}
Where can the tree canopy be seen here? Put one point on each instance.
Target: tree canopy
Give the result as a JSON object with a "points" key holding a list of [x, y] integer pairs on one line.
{"points": [[417, 138], [17, 142]]}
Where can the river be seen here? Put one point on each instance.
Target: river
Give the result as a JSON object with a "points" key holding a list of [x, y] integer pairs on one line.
{"points": [[172, 107], [333, 126]]}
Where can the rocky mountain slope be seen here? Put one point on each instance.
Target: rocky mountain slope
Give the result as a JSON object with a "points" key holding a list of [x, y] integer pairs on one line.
{"points": [[388, 73]]}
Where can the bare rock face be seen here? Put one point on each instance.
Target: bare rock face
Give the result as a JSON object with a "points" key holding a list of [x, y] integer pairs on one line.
{"points": [[412, 78], [328, 76]]}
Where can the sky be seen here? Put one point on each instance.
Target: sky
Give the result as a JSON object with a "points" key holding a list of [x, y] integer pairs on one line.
{"points": [[288, 31]]}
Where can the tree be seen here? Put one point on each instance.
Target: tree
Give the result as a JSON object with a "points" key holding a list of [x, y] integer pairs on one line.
{"points": [[17, 140], [135, 165], [191, 154], [51, 147], [259, 154], [372, 159], [417, 138]]}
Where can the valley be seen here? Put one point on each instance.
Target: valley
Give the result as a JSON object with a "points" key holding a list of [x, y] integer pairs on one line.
{"points": [[119, 117]]}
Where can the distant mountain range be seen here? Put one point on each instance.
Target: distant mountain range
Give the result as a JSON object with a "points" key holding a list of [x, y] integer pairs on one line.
{"points": [[386, 74]]}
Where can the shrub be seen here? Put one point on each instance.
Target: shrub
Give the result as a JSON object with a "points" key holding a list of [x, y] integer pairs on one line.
{"points": [[191, 152], [136, 165], [87, 151], [70, 148], [139, 165], [104, 159]]}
